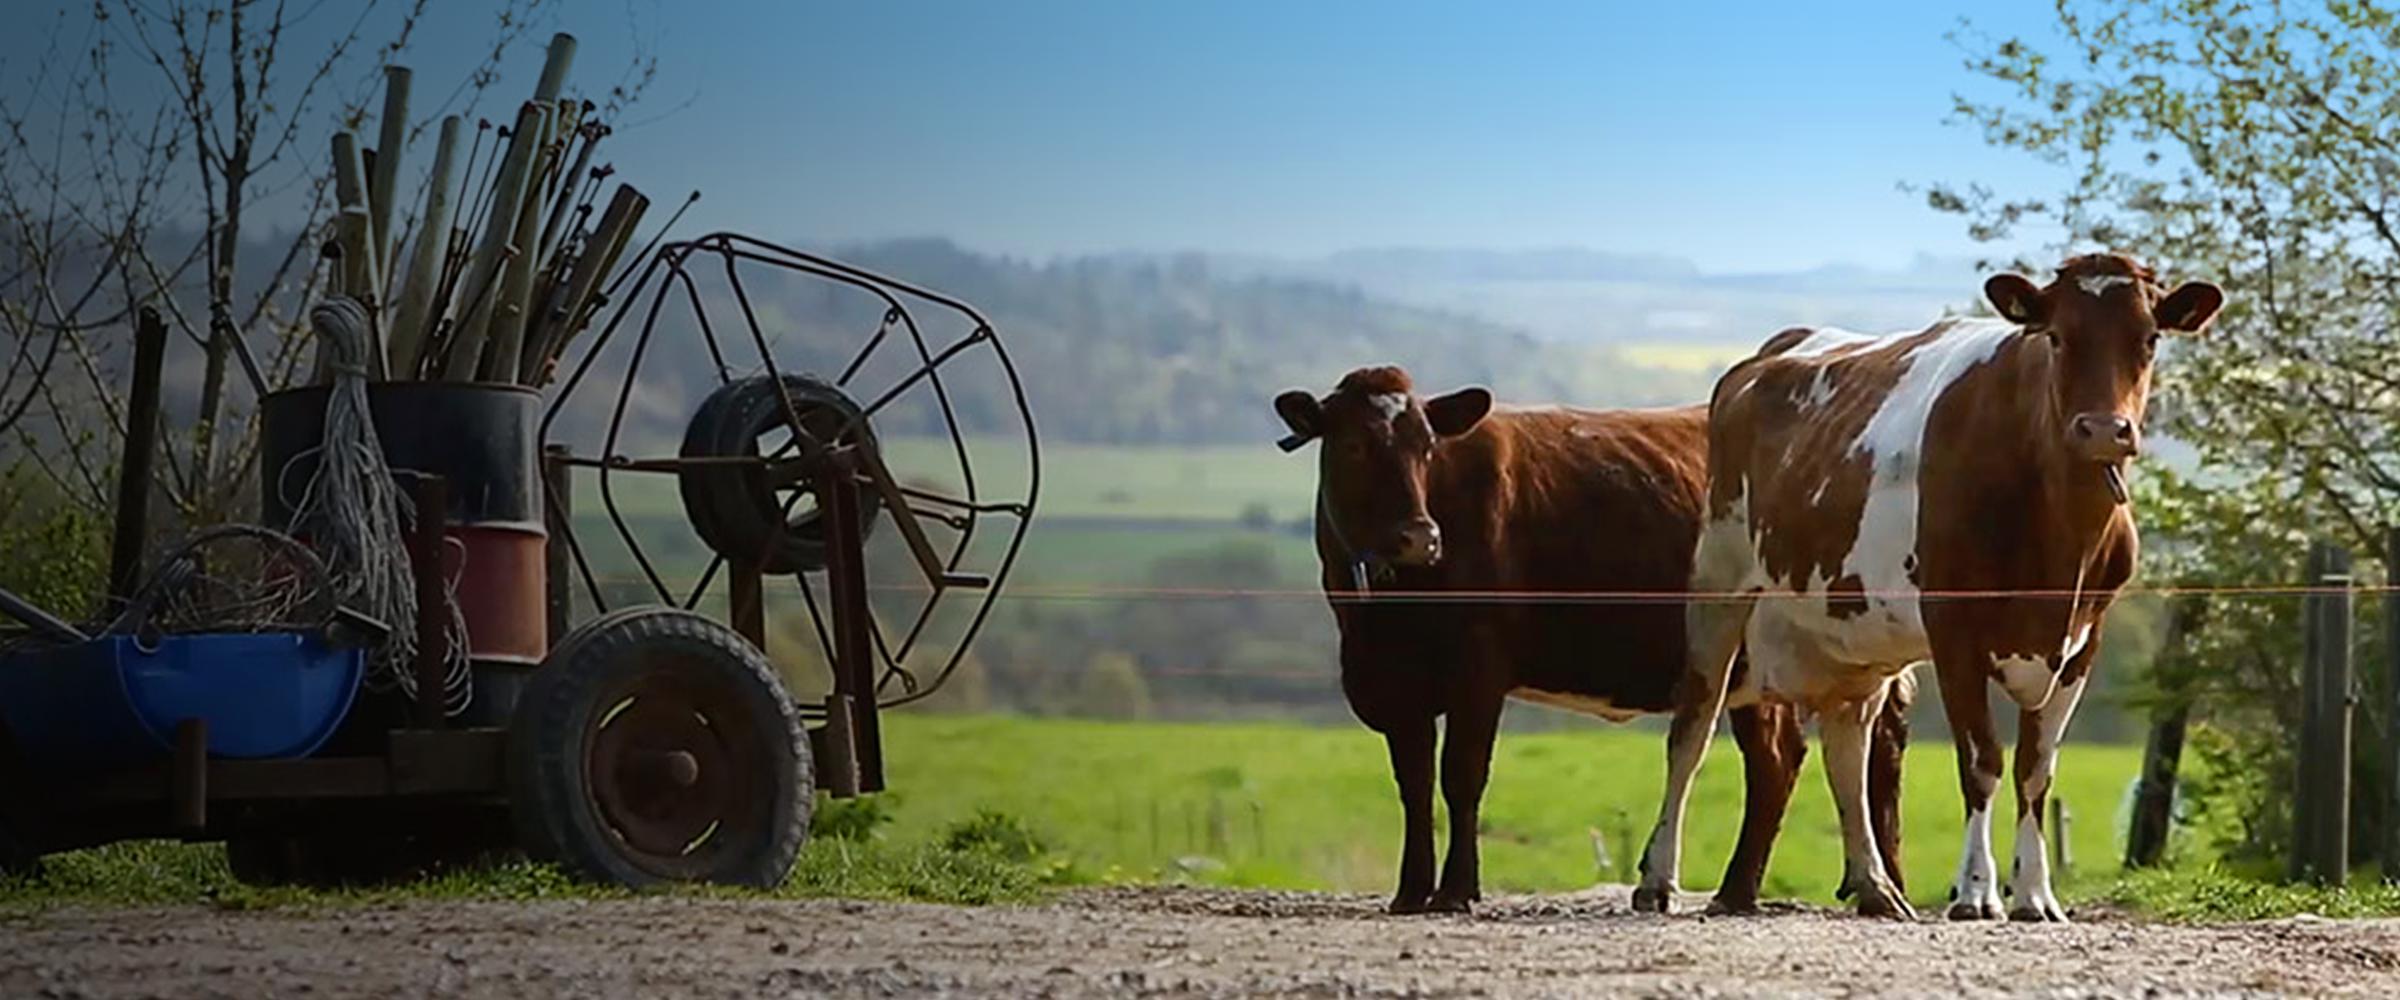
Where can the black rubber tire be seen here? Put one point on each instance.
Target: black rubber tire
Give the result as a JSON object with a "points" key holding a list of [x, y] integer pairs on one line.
{"points": [[730, 507], [601, 672], [534, 838]]}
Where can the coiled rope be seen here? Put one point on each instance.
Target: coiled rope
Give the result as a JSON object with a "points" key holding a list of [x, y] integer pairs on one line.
{"points": [[355, 515]]}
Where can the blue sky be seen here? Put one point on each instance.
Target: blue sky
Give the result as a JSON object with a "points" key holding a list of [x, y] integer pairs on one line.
{"points": [[1743, 136]]}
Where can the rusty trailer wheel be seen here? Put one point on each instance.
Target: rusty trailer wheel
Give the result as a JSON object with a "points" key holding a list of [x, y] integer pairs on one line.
{"points": [[658, 746]]}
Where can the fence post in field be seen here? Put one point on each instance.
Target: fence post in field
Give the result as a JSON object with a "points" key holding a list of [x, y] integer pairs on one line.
{"points": [[2154, 798], [2391, 680], [2062, 822], [2321, 841]]}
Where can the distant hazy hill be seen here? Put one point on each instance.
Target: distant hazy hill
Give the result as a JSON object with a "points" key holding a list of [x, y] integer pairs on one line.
{"points": [[1585, 296], [1150, 349]]}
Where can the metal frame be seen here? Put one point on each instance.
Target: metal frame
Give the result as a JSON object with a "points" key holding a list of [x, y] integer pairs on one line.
{"points": [[871, 670]]}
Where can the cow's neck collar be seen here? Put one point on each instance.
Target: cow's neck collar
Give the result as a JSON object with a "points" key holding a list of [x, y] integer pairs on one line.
{"points": [[1364, 567]]}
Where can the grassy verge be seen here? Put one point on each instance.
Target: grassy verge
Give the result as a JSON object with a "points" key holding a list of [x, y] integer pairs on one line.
{"points": [[2212, 894], [993, 809], [966, 866]]}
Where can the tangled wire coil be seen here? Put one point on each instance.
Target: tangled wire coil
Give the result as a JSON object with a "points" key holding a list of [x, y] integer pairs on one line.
{"points": [[355, 515]]}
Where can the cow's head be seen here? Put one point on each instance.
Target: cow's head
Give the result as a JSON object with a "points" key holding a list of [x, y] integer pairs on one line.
{"points": [[1378, 440], [2103, 315]]}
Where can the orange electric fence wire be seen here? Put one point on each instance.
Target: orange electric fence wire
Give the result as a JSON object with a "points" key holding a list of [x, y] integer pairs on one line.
{"points": [[1088, 593]]}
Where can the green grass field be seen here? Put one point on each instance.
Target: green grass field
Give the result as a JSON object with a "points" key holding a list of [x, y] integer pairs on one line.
{"points": [[1180, 482], [1300, 807], [1679, 356]]}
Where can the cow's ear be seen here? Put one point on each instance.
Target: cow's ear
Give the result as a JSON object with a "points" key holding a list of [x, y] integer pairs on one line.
{"points": [[2016, 299], [1303, 414], [2189, 307], [1458, 412]]}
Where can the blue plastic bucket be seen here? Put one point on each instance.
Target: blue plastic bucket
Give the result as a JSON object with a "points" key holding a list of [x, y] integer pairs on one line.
{"points": [[111, 701]]}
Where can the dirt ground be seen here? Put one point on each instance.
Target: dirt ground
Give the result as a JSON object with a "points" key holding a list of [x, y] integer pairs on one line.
{"points": [[1157, 942]]}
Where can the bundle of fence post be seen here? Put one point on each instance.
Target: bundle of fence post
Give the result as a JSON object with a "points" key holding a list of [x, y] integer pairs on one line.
{"points": [[484, 275], [507, 261]]}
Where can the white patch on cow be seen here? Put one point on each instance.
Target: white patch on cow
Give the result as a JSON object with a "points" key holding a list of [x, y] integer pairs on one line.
{"points": [[2097, 285], [2082, 637], [1978, 882], [1893, 630], [1579, 703], [1816, 498], [2031, 882], [2029, 680], [1824, 339], [1390, 404], [1724, 559], [1820, 390]]}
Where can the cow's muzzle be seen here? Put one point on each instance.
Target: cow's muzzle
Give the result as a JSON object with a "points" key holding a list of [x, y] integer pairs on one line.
{"points": [[1420, 543], [2104, 437]]}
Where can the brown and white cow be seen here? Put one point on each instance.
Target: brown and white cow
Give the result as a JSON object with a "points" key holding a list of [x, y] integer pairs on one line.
{"points": [[1954, 493], [1473, 553]]}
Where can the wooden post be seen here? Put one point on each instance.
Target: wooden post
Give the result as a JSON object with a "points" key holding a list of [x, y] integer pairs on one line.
{"points": [[418, 312], [2304, 793], [383, 180], [189, 784], [2391, 678], [2324, 839], [2062, 824], [2154, 798], [133, 468], [746, 601], [558, 492]]}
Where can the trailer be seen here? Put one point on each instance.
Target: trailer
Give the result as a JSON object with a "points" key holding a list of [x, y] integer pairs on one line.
{"points": [[627, 725]]}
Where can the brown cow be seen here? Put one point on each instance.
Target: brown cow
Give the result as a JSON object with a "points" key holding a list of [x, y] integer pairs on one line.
{"points": [[1874, 495], [1421, 497]]}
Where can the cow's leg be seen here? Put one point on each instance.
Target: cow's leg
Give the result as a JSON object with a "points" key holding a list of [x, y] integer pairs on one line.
{"points": [[1466, 764], [1847, 733], [1884, 756], [1411, 745], [2038, 733], [1975, 893], [1714, 631], [1772, 748]]}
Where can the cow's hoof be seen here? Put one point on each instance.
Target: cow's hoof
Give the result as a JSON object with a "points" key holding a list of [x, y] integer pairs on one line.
{"points": [[1879, 899], [1733, 906], [1406, 904], [2050, 913], [1451, 902], [1974, 911], [1651, 899]]}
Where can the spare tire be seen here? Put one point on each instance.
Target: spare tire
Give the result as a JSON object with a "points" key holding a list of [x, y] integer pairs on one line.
{"points": [[735, 509]]}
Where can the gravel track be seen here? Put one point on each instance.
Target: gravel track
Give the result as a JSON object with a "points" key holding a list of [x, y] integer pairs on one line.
{"points": [[1158, 942]]}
